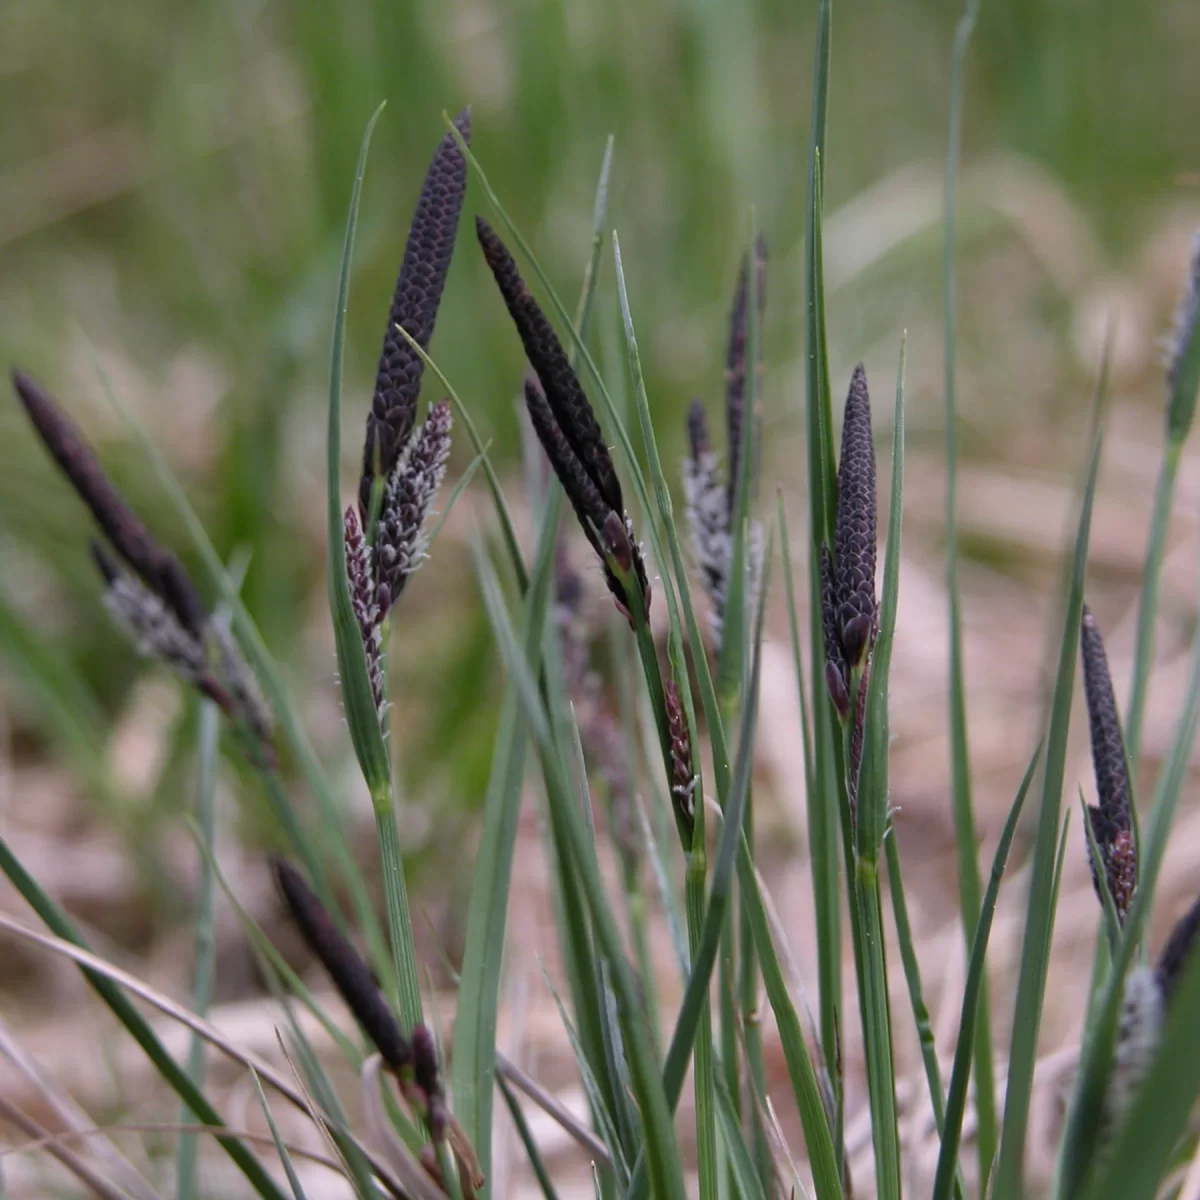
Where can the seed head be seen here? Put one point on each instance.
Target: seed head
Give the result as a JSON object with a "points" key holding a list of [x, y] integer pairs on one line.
{"points": [[155, 566], [854, 539], [414, 308], [361, 577], [683, 787], [735, 361], [707, 514], [1183, 358], [154, 629], [428, 1079], [563, 391], [249, 702], [351, 976], [609, 531], [1139, 1031], [1111, 818], [836, 674], [1178, 949], [401, 541]]}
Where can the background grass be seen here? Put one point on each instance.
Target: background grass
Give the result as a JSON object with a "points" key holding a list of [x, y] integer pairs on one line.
{"points": [[172, 199]]}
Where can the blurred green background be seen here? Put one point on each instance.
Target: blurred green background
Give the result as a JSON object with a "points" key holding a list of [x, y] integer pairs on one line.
{"points": [[173, 186]]}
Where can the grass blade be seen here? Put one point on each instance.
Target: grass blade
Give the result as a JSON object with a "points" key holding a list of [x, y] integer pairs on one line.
{"points": [[1031, 984], [204, 969], [956, 1098], [479, 983], [822, 800], [284, 1157], [969, 883]]}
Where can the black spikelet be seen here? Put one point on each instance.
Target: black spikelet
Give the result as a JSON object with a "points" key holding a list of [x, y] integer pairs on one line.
{"points": [[854, 538], [351, 976], [1178, 949], [564, 393], [414, 308], [735, 361], [1111, 819], [835, 661], [156, 566]]}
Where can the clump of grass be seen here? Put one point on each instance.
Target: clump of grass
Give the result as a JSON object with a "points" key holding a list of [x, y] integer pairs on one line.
{"points": [[1137, 1078]]}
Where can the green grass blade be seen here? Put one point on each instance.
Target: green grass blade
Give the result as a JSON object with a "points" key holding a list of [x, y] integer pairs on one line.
{"points": [[1036, 948], [284, 1157], [204, 968], [361, 714], [119, 1004], [822, 800], [956, 1099], [1183, 389], [662, 1151], [969, 883], [912, 977], [479, 984], [536, 1163], [1143, 660]]}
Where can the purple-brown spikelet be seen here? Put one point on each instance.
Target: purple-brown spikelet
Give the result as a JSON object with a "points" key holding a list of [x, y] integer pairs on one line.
{"points": [[1186, 324], [608, 530], [683, 781], [414, 308], [1177, 951], [428, 1079], [151, 562], [564, 393], [706, 509], [854, 537], [735, 361], [1111, 819], [345, 967], [400, 541], [361, 577], [835, 661]]}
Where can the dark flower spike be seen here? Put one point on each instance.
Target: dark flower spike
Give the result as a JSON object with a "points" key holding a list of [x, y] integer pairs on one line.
{"points": [[158, 569], [608, 530], [1111, 818], [706, 509], [564, 393], [361, 577], [854, 538], [429, 1080], [414, 308], [1177, 951], [683, 780], [835, 661], [401, 541], [351, 976], [735, 361]]}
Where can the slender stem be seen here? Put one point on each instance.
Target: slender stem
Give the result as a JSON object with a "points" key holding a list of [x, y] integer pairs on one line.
{"points": [[408, 981], [1143, 660], [204, 944], [877, 1031], [969, 884]]}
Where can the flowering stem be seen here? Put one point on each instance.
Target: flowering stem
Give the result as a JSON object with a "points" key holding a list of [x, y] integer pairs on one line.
{"points": [[1148, 602]]}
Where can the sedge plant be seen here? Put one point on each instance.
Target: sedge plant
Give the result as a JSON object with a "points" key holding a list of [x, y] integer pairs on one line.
{"points": [[630, 724]]}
